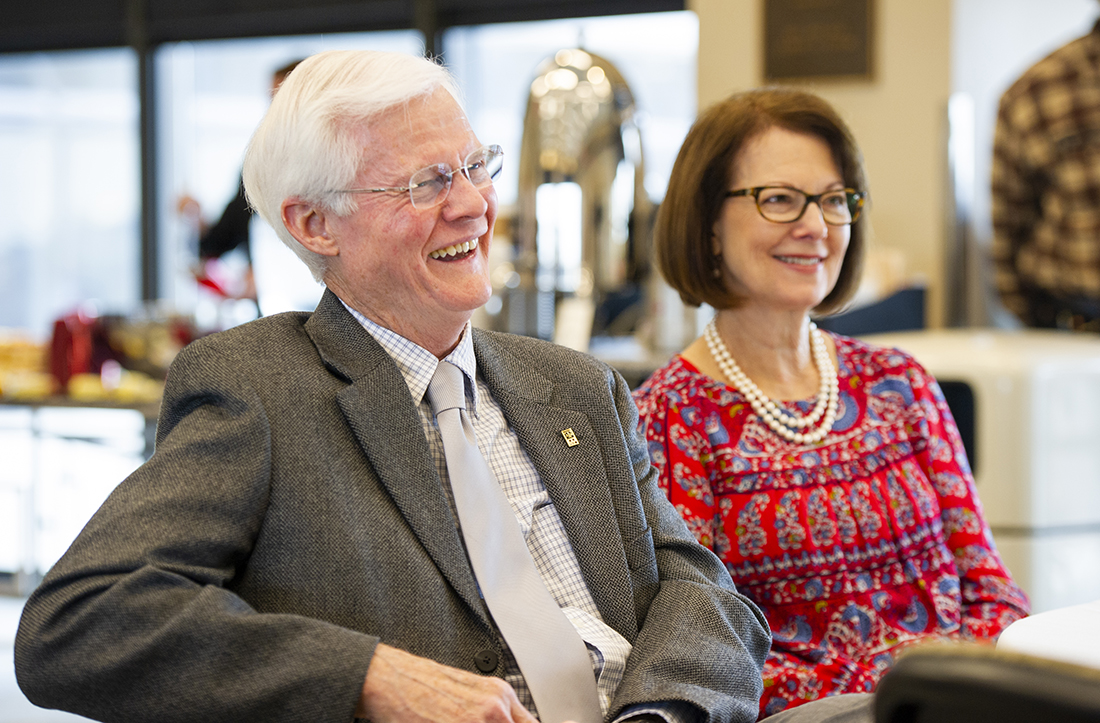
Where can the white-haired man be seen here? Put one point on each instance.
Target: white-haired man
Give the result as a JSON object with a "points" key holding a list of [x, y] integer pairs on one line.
{"points": [[294, 550]]}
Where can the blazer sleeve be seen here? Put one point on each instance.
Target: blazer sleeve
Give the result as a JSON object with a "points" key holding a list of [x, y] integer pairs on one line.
{"points": [[701, 641], [138, 620]]}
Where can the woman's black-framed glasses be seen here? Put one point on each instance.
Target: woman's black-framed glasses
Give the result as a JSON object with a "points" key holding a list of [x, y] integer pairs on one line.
{"points": [[783, 204], [430, 186]]}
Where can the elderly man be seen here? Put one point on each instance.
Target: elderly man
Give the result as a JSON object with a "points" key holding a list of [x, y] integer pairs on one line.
{"points": [[303, 547]]}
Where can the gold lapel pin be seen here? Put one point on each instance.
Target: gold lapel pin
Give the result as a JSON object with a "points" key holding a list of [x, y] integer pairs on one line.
{"points": [[570, 438]]}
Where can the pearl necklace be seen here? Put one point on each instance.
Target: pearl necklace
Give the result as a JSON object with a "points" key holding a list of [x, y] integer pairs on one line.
{"points": [[785, 425]]}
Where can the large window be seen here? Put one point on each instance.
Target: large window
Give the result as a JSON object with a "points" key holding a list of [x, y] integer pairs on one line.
{"points": [[70, 176], [69, 184]]}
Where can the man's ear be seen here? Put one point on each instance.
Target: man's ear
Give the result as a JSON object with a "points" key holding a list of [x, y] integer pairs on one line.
{"points": [[309, 226]]}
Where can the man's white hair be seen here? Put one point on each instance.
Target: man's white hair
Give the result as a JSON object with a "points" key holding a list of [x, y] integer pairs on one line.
{"points": [[305, 146]]}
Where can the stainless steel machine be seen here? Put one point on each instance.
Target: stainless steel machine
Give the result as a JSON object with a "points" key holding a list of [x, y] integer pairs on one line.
{"points": [[582, 232]]}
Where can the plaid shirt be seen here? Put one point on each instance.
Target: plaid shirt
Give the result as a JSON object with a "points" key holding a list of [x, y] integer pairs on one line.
{"points": [[1046, 178], [538, 518]]}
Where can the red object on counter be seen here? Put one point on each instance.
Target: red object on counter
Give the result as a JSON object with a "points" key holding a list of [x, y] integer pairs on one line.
{"points": [[71, 347]]}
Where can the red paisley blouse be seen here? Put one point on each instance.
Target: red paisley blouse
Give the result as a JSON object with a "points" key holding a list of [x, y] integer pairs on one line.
{"points": [[853, 547]]}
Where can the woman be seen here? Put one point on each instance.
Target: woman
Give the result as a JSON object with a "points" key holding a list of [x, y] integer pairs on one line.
{"points": [[827, 474]]}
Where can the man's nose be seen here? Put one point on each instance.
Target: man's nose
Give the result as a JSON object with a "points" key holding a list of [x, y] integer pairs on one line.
{"points": [[464, 198]]}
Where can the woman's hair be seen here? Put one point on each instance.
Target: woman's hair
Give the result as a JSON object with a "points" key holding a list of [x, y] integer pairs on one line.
{"points": [[309, 144], [702, 174]]}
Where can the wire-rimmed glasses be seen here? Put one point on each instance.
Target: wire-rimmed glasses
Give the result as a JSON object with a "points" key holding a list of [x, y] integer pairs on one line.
{"points": [[429, 186], [783, 204]]}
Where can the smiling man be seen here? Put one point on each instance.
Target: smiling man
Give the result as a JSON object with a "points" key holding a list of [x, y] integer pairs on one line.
{"points": [[323, 533]]}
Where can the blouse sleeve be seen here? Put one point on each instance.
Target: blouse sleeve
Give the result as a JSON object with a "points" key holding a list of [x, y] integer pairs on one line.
{"points": [[991, 600], [680, 450]]}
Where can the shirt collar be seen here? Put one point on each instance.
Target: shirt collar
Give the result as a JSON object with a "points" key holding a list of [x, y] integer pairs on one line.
{"points": [[417, 364]]}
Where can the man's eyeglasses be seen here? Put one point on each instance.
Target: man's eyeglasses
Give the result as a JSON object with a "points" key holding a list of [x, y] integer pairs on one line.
{"points": [[429, 186], [783, 204]]}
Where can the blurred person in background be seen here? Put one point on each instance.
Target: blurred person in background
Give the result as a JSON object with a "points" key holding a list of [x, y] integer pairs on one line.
{"points": [[1046, 190], [826, 473], [273, 277]]}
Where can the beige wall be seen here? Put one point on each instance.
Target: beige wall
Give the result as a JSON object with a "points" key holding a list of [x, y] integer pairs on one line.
{"points": [[898, 117]]}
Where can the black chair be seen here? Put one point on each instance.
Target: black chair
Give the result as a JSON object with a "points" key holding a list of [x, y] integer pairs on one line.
{"points": [[978, 684], [901, 311]]}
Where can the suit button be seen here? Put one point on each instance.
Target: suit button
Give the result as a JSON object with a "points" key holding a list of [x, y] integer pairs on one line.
{"points": [[486, 661]]}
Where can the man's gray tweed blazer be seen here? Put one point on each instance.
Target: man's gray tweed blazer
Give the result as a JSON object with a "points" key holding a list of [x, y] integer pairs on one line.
{"points": [[291, 518]]}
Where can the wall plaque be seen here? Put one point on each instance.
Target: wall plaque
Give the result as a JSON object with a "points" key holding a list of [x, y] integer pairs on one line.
{"points": [[817, 38]]}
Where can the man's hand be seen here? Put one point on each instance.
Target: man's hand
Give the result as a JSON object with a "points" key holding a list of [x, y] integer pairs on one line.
{"points": [[405, 688]]}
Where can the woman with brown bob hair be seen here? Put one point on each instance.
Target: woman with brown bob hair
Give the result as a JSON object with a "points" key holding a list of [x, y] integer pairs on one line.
{"points": [[826, 473], [697, 190]]}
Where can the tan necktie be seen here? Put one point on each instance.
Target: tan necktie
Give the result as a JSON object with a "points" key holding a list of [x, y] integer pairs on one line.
{"points": [[551, 655]]}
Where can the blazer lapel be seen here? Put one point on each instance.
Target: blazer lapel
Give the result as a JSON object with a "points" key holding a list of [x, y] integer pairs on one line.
{"points": [[574, 476], [379, 410]]}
